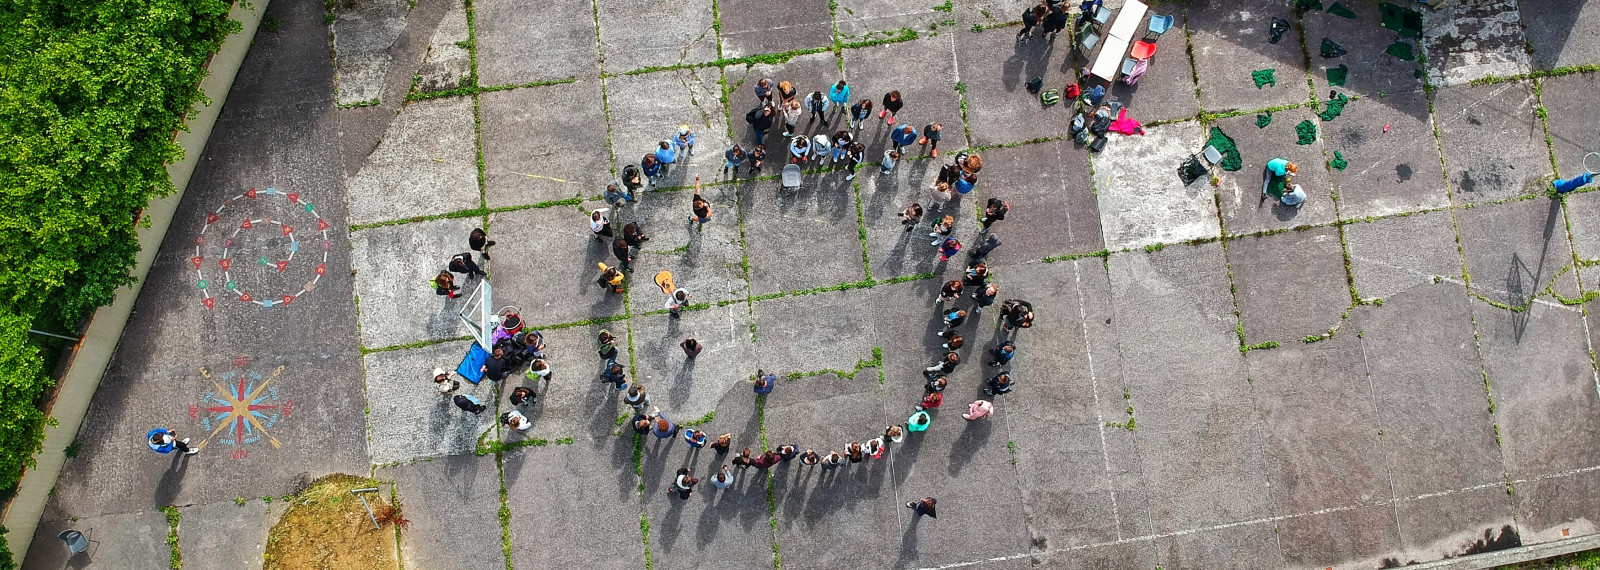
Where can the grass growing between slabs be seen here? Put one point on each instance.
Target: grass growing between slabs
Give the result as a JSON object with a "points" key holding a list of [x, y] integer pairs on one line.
{"points": [[326, 526]]}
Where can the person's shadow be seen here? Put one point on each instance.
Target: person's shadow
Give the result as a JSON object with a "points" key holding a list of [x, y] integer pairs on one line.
{"points": [[172, 480]]}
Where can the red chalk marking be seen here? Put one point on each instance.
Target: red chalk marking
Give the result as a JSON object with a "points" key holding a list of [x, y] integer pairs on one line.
{"points": [[225, 263], [282, 265], [287, 299], [294, 197], [245, 296], [196, 261], [251, 193], [321, 224], [210, 303], [212, 217], [241, 361], [200, 240], [246, 225], [287, 229], [194, 411], [288, 408], [322, 269], [240, 453]]}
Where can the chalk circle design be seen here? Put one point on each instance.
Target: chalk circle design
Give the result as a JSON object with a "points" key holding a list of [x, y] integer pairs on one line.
{"points": [[1592, 167], [277, 229]]}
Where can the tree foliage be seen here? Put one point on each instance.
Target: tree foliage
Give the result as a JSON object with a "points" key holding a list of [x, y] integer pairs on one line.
{"points": [[91, 92]]}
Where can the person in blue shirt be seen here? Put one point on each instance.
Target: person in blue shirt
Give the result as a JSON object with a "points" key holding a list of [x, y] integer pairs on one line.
{"points": [[164, 441], [666, 155], [1278, 173], [859, 113], [819, 106], [966, 183], [903, 137], [839, 94], [695, 438], [651, 167], [765, 382], [735, 157], [685, 140]]}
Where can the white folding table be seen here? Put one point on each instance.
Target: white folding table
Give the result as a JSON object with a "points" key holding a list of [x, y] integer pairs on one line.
{"points": [[1115, 46]]}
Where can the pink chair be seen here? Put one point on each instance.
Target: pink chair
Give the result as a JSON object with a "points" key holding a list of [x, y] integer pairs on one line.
{"points": [[1143, 50]]}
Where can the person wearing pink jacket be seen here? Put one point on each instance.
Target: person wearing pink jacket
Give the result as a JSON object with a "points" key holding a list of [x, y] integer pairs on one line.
{"points": [[978, 409]]}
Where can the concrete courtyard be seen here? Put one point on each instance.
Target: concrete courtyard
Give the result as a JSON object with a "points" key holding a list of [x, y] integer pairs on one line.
{"points": [[1400, 371]]}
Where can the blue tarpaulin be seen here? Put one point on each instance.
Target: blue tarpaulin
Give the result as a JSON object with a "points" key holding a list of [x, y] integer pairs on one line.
{"points": [[471, 367]]}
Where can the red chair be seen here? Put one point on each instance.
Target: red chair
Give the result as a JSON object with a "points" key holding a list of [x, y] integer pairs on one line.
{"points": [[1143, 50]]}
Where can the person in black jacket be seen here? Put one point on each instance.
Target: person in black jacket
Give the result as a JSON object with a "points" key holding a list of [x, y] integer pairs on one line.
{"points": [[1031, 18], [495, 367], [760, 120], [1055, 20]]}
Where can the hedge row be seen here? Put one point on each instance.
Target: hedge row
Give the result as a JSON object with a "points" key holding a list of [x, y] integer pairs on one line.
{"points": [[90, 94]]}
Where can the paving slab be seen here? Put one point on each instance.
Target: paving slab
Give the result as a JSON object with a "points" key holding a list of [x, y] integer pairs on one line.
{"points": [[1290, 285], [453, 504], [426, 165], [814, 227], [129, 540], [1229, 40], [1167, 90], [734, 524], [226, 535], [1142, 200], [1557, 506], [558, 236], [690, 388], [395, 287], [1515, 250], [1472, 40], [1138, 554], [996, 69], [1245, 209], [648, 108], [1394, 158], [574, 506], [635, 34], [843, 517], [1393, 255], [806, 73], [1437, 429], [1564, 101], [1583, 228], [1321, 425], [566, 46], [1358, 537], [448, 62], [408, 418], [708, 260], [361, 40], [540, 144], [1467, 522], [924, 72], [1054, 210], [1372, 71], [752, 27], [804, 333], [1561, 33], [1249, 546], [892, 251], [858, 18], [1543, 382], [1493, 143]]}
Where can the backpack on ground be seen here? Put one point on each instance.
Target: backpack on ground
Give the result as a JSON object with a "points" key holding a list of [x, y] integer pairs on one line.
{"points": [[1077, 123], [1035, 84], [1099, 143], [1050, 97]]}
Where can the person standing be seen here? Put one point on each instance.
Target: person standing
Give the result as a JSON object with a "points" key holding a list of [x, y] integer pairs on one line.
{"points": [[478, 240], [810, 457], [666, 156], [684, 142], [954, 318], [462, 263], [819, 105], [894, 433], [1030, 18], [925, 506], [787, 452], [469, 403], [637, 399], [978, 409], [942, 228], [683, 484], [931, 133], [494, 367], [949, 292], [600, 225], [952, 340], [854, 452], [515, 420], [875, 447], [445, 284], [760, 120], [1003, 353], [936, 386], [999, 384], [832, 461], [944, 366], [651, 166], [903, 137], [839, 95], [619, 248], [763, 89], [977, 274], [859, 113], [164, 441], [701, 208], [853, 159], [523, 396], [985, 297], [911, 216], [983, 249], [1055, 20], [766, 460], [918, 421], [617, 195], [634, 235], [949, 248], [890, 156], [841, 146], [677, 301], [799, 150], [632, 179], [1015, 314], [662, 427], [820, 148], [791, 117], [610, 277], [735, 157], [786, 92], [994, 211], [538, 370], [615, 375], [891, 106], [935, 397], [606, 345], [443, 383], [722, 479], [765, 382], [691, 348], [722, 443], [758, 155], [743, 460]]}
